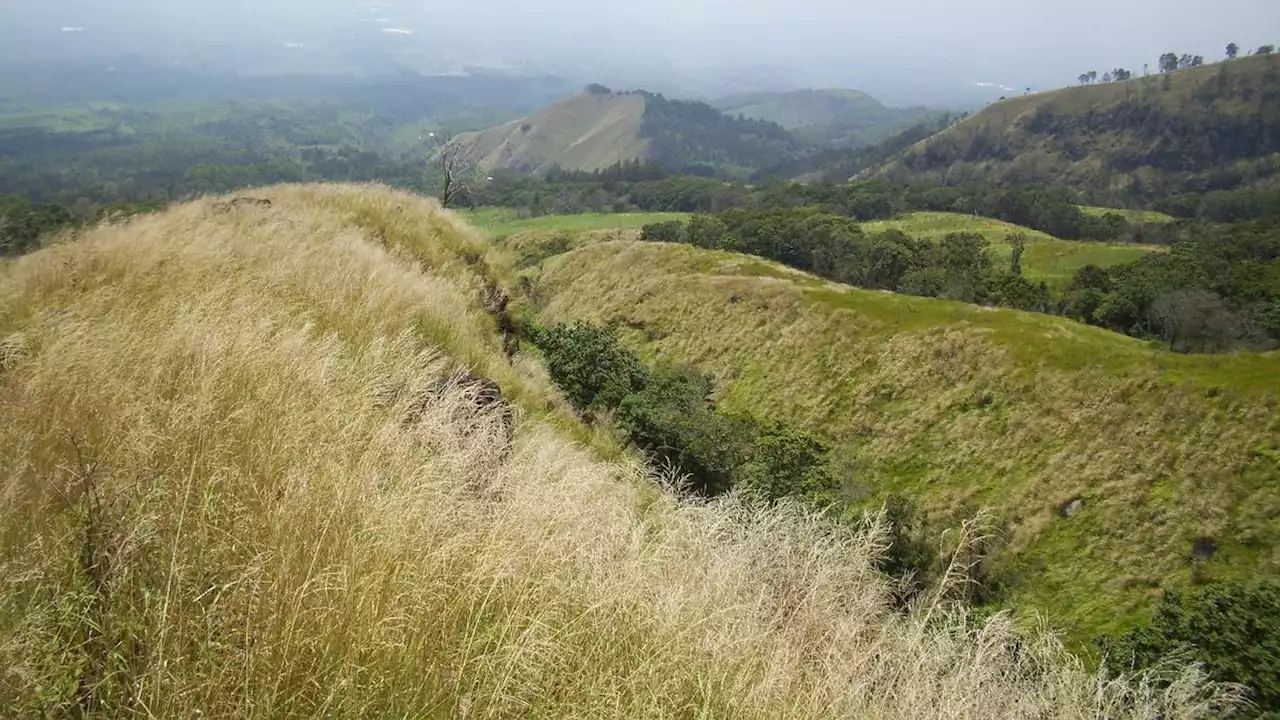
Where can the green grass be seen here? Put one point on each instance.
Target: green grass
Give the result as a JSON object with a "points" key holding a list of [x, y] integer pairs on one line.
{"points": [[965, 408], [1135, 217], [503, 221], [1046, 258]]}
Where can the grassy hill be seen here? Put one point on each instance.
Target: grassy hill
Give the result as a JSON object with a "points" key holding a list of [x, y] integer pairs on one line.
{"points": [[1187, 131], [598, 128], [271, 460], [588, 131], [833, 118], [1046, 258], [967, 408]]}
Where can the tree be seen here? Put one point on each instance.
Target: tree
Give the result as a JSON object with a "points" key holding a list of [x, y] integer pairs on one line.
{"points": [[1084, 78], [1168, 62], [1197, 60], [1106, 77], [1120, 74], [590, 364], [456, 163], [1232, 51], [1232, 629], [1019, 242], [1093, 76], [1266, 50], [1195, 320], [1184, 62]]}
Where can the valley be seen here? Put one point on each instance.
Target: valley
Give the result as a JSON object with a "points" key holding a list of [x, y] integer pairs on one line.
{"points": [[449, 387]]}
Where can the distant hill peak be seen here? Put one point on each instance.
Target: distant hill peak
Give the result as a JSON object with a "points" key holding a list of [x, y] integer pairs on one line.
{"points": [[1210, 126], [600, 128]]}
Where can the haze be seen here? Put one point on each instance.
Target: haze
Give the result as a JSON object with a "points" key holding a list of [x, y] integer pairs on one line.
{"points": [[918, 51]]}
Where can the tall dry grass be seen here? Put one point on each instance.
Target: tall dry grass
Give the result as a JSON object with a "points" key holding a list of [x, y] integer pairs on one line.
{"points": [[234, 486]]}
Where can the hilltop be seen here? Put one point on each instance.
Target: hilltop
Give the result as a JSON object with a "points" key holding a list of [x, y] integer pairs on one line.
{"points": [[268, 456], [599, 128], [833, 118], [1202, 128], [1113, 469]]}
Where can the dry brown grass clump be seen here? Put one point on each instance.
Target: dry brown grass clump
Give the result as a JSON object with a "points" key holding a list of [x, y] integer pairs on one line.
{"points": [[234, 485]]}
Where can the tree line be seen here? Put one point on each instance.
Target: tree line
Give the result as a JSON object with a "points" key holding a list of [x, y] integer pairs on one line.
{"points": [[1169, 62], [1216, 289]]}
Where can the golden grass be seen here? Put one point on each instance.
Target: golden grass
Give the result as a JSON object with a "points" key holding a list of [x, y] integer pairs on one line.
{"points": [[234, 486], [967, 408]]}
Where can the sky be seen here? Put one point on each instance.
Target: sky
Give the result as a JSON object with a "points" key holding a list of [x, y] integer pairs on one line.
{"points": [[908, 50]]}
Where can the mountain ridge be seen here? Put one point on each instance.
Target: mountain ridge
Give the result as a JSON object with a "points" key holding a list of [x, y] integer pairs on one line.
{"points": [[1192, 130]]}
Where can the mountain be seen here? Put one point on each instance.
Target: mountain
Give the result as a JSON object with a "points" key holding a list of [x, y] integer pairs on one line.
{"points": [[1110, 469], [831, 118], [1205, 128], [599, 128], [267, 456]]}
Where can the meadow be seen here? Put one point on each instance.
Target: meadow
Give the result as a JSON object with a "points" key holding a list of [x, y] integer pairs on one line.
{"points": [[965, 408], [254, 467], [1046, 258]]}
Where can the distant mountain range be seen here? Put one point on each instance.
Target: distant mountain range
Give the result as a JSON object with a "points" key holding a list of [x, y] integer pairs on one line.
{"points": [[734, 136], [836, 118]]}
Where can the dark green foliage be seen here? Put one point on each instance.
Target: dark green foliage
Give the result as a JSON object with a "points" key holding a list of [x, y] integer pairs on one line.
{"points": [[1232, 629], [672, 419], [1224, 205], [671, 232], [22, 224], [1214, 290], [695, 138], [589, 364], [910, 557], [667, 413], [780, 461], [833, 246]]}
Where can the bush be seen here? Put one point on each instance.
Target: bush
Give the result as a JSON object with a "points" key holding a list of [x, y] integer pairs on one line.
{"points": [[589, 364], [671, 232], [673, 421], [1232, 629]]}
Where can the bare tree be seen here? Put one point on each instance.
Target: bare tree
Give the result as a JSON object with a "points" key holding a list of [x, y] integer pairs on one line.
{"points": [[457, 164], [1195, 321]]}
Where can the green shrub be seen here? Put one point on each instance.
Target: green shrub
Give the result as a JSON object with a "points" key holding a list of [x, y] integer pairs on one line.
{"points": [[589, 364], [1232, 629], [674, 422]]}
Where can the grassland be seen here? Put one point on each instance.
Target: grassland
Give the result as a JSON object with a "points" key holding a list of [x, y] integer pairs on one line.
{"points": [[969, 408], [1135, 217], [247, 474], [1046, 258], [501, 222]]}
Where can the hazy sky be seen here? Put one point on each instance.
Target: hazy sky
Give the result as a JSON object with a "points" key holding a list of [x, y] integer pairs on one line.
{"points": [[883, 46]]}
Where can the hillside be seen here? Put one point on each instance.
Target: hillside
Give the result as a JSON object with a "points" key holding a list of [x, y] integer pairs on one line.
{"points": [[831, 118], [597, 129], [1211, 127], [267, 458], [1112, 469], [588, 131], [1046, 258]]}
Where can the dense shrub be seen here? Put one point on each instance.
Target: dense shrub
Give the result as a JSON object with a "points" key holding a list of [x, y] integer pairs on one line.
{"points": [[1232, 629], [667, 413], [589, 364], [22, 224]]}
